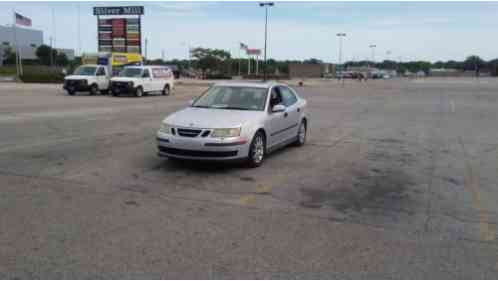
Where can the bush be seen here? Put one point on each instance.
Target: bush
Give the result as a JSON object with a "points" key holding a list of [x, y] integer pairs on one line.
{"points": [[217, 76], [41, 74]]}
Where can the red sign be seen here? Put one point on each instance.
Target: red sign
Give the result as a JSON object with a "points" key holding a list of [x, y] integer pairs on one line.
{"points": [[255, 52]]}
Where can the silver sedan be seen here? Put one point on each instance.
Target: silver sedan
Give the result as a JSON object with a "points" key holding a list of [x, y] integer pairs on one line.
{"points": [[233, 121]]}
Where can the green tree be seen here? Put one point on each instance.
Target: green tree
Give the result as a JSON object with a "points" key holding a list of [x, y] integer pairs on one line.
{"points": [[473, 63], [61, 59], [44, 53], [211, 60], [9, 56]]}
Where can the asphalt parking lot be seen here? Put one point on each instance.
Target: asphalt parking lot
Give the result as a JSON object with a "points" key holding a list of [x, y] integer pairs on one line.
{"points": [[397, 180]]}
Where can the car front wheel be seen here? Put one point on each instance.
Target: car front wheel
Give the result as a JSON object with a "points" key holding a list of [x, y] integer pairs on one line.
{"points": [[139, 92], [257, 150], [94, 89], [301, 134]]}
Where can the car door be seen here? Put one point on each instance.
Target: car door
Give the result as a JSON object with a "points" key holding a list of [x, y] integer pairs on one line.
{"points": [[277, 121], [101, 78], [293, 111], [147, 81]]}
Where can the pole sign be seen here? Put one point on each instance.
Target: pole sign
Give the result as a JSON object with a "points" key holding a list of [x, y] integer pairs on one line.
{"points": [[118, 11], [117, 33]]}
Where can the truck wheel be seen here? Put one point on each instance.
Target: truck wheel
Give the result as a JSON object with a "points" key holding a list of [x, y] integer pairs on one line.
{"points": [[71, 92], [94, 89], [139, 92], [166, 90]]}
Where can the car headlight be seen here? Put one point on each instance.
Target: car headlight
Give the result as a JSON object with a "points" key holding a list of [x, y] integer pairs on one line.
{"points": [[166, 128], [226, 133]]}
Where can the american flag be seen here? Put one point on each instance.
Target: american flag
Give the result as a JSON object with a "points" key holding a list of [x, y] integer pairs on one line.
{"points": [[22, 20]]}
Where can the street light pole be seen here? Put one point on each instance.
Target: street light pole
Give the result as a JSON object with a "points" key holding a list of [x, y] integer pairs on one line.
{"points": [[340, 35], [266, 5], [373, 53]]}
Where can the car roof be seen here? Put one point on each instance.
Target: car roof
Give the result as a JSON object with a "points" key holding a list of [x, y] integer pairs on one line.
{"points": [[253, 84]]}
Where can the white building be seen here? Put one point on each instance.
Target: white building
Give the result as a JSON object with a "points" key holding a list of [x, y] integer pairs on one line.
{"points": [[28, 40]]}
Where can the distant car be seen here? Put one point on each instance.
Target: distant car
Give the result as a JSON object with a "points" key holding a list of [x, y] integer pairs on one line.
{"points": [[88, 78], [234, 121], [141, 80]]}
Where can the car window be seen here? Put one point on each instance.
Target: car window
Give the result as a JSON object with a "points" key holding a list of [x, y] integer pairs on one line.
{"points": [[146, 73], [233, 97], [85, 70], [276, 97], [131, 72], [101, 71], [289, 98]]}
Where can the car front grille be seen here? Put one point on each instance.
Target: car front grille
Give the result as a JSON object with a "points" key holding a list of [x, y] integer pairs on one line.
{"points": [[74, 83], [197, 153], [191, 133]]}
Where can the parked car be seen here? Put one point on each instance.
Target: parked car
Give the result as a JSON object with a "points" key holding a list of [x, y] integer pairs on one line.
{"points": [[142, 80], [88, 78], [235, 121]]}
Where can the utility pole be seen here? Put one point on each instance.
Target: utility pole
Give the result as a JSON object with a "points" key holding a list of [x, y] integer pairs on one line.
{"points": [[266, 5]]}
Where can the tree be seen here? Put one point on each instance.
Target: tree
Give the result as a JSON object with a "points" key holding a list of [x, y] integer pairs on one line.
{"points": [[44, 52], [9, 56], [473, 63], [210, 60], [61, 59], [313, 61]]}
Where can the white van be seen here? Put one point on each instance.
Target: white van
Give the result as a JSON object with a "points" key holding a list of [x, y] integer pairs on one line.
{"points": [[88, 78], [140, 80]]}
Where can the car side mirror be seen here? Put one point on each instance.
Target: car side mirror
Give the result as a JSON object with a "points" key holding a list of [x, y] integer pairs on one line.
{"points": [[278, 108]]}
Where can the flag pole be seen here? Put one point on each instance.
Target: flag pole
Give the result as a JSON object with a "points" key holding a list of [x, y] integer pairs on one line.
{"points": [[15, 42]]}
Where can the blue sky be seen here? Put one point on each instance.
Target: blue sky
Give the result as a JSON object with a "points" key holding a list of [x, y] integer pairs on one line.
{"points": [[297, 30]]}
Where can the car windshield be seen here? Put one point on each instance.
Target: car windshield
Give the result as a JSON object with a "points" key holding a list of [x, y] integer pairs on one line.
{"points": [[85, 70], [131, 72], [233, 97]]}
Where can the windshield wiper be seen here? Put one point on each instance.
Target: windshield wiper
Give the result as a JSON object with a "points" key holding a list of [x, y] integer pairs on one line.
{"points": [[235, 108]]}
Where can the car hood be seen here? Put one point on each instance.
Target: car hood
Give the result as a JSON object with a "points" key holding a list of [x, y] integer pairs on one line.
{"points": [[77, 77], [124, 79], [212, 118]]}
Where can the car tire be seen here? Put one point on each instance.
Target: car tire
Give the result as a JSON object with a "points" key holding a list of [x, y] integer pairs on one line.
{"points": [[94, 89], [139, 92], [71, 93], [166, 90], [257, 150], [104, 92], [301, 134], [114, 94]]}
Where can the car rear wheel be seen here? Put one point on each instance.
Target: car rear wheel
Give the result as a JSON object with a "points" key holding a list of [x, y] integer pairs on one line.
{"points": [[166, 90], [257, 150], [139, 92], [71, 92]]}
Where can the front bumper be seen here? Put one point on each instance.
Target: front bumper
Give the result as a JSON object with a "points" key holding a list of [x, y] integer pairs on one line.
{"points": [[122, 88], [75, 86], [199, 148]]}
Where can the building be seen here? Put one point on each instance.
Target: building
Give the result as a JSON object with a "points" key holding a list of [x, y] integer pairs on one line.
{"points": [[28, 40], [305, 70]]}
